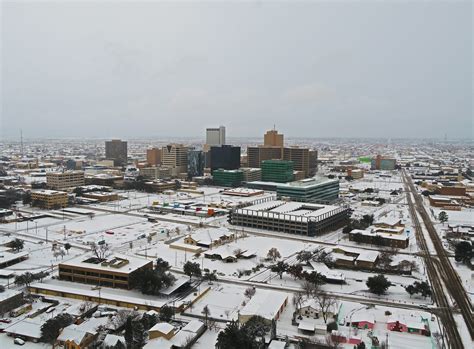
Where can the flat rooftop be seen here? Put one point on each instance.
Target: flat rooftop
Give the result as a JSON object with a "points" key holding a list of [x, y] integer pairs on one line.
{"points": [[116, 263]]}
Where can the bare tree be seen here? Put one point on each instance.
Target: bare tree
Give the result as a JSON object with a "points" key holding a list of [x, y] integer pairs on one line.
{"points": [[100, 250], [298, 300], [309, 288], [325, 301]]}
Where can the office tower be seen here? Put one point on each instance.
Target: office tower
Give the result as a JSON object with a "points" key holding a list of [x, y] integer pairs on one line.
{"points": [[228, 178], [280, 171], [255, 155], [273, 139], [316, 189], [226, 157], [153, 156], [65, 180], [116, 150], [215, 136], [195, 163], [304, 160], [175, 156]]}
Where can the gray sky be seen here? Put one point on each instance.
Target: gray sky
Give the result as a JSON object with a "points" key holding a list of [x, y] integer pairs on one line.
{"points": [[315, 69]]}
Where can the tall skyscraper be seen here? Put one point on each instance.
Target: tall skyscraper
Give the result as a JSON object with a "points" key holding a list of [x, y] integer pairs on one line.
{"points": [[195, 163], [304, 159], [225, 157], [153, 156], [215, 136], [175, 156], [273, 139], [116, 150]]}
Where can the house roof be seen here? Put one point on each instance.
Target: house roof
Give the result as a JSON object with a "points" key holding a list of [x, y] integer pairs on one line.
{"points": [[265, 303], [162, 327]]}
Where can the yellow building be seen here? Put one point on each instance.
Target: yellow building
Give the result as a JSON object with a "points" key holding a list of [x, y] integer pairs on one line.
{"points": [[49, 198]]}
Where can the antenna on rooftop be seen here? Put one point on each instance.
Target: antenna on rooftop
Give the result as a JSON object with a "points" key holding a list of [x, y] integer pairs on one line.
{"points": [[21, 142]]}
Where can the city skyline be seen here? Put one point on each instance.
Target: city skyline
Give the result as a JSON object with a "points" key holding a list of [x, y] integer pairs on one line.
{"points": [[314, 69]]}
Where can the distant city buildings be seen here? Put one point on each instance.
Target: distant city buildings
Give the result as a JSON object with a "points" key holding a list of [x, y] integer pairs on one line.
{"points": [[116, 150], [304, 160], [383, 163], [215, 136]]}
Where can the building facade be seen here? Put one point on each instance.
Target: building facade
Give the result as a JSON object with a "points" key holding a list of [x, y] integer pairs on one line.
{"points": [[49, 199], [226, 157], [196, 163], [153, 156], [228, 178], [215, 136], [114, 271], [65, 180], [156, 172], [116, 150], [291, 217], [273, 139], [175, 156], [310, 190], [280, 171]]}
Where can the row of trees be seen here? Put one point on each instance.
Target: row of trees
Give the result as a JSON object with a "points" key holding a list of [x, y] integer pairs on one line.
{"points": [[27, 278]]}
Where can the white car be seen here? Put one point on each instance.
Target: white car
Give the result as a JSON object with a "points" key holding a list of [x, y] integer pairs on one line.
{"points": [[19, 341]]}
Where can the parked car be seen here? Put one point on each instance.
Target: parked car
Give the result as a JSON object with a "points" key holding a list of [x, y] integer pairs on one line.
{"points": [[19, 341]]}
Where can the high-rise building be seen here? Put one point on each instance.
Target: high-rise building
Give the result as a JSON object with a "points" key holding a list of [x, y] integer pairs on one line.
{"points": [[196, 163], [226, 157], [304, 160], [116, 150], [280, 171], [175, 156], [215, 136], [153, 156], [273, 139], [255, 155]]}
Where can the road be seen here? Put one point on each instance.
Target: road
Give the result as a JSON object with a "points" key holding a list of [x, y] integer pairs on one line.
{"points": [[439, 270]]}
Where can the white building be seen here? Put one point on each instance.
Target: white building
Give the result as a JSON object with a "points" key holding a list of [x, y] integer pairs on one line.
{"points": [[215, 136]]}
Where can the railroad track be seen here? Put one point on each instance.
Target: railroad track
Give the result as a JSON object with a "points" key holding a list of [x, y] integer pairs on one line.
{"points": [[446, 272]]}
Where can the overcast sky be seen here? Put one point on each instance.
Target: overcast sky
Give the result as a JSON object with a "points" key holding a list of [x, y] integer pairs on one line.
{"points": [[315, 69]]}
